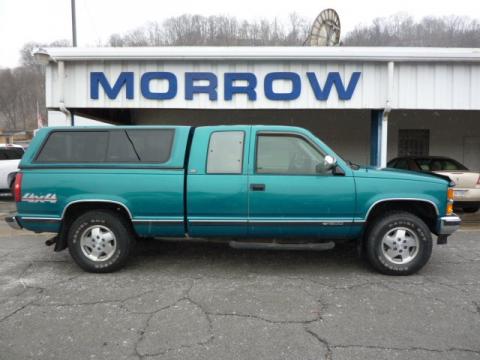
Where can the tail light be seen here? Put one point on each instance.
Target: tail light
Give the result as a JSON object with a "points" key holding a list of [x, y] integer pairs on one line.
{"points": [[17, 189]]}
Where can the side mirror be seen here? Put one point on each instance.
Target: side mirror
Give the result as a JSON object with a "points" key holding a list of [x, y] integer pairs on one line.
{"points": [[329, 163]]}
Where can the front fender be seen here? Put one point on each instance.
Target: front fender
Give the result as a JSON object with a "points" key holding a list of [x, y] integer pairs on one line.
{"points": [[372, 191]]}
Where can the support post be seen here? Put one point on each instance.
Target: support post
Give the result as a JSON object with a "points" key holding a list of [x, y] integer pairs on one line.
{"points": [[384, 139], [375, 136], [378, 138], [379, 124]]}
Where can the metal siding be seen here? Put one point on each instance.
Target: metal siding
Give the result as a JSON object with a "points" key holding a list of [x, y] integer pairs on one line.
{"points": [[260, 53], [441, 86], [417, 85], [461, 86]]}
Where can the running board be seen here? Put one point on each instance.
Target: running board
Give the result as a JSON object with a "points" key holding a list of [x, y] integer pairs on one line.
{"points": [[279, 246]]}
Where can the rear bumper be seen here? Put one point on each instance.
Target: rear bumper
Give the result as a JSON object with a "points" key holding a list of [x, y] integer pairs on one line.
{"points": [[466, 204], [12, 221], [447, 225], [462, 195]]}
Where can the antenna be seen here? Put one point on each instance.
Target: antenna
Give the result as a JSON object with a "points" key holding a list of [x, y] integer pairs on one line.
{"points": [[325, 29]]}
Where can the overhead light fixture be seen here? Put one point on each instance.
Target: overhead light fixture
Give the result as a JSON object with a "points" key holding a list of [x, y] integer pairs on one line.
{"points": [[41, 56]]}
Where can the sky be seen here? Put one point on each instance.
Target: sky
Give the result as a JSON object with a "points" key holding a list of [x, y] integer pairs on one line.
{"points": [[22, 21]]}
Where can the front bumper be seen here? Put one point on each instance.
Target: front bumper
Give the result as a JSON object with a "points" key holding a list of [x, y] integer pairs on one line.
{"points": [[447, 225], [13, 222]]}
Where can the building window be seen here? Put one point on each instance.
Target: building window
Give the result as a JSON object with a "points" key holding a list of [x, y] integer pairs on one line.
{"points": [[225, 152], [413, 142]]}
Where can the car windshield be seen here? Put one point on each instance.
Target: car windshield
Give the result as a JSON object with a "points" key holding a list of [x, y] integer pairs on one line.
{"points": [[439, 164], [11, 153]]}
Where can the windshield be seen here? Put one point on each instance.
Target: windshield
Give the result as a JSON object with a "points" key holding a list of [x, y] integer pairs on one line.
{"points": [[439, 164]]}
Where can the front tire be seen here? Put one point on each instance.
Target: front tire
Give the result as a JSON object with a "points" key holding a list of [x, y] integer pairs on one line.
{"points": [[398, 243], [100, 241]]}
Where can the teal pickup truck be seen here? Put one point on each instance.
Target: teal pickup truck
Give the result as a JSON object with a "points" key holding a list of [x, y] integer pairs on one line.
{"points": [[275, 187]]}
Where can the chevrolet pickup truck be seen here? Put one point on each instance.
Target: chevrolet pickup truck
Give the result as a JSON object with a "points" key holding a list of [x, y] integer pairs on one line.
{"points": [[274, 187]]}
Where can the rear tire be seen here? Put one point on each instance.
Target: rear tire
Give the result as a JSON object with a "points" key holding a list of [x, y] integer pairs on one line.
{"points": [[100, 241], [398, 243], [470, 209]]}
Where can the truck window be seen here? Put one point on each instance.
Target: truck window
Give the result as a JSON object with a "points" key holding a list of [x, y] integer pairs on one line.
{"points": [[225, 152], [11, 153], [152, 145], [74, 147], [120, 148], [286, 154], [113, 146]]}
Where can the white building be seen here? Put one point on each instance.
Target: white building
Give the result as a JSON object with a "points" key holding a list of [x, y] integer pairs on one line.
{"points": [[369, 104]]}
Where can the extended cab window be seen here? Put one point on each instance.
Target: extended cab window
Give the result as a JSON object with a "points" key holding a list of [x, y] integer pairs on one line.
{"points": [[286, 154], [225, 152], [113, 146]]}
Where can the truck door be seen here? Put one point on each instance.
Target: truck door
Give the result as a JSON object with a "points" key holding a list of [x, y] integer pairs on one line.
{"points": [[217, 196], [290, 195]]}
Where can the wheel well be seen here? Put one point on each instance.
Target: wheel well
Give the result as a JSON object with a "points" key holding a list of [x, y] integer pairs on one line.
{"points": [[75, 210], [424, 210]]}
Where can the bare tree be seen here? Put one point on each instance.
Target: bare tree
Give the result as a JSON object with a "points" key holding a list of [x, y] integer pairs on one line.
{"points": [[22, 90], [215, 30], [8, 98], [23, 87], [403, 30]]}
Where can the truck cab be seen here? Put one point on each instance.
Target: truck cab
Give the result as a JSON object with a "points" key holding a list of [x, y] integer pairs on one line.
{"points": [[249, 185]]}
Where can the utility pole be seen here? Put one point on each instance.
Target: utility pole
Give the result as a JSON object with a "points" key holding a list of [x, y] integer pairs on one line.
{"points": [[74, 43], [74, 25]]}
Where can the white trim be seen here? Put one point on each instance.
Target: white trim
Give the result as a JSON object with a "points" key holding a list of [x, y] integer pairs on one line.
{"points": [[337, 53], [275, 220], [300, 221], [217, 220], [176, 220], [40, 218]]}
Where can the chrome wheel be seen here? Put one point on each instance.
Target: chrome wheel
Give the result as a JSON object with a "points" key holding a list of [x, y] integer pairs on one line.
{"points": [[400, 245], [98, 243]]}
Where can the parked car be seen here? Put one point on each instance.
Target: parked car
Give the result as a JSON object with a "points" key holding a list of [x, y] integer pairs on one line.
{"points": [[273, 187], [467, 183], [10, 156]]}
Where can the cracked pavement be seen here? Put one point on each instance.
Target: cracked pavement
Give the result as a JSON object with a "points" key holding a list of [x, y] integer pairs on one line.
{"points": [[207, 301]]}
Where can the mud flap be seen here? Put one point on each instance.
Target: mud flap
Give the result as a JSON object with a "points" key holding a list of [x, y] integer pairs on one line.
{"points": [[442, 239]]}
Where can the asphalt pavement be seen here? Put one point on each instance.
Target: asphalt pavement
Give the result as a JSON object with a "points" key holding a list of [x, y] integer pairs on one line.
{"points": [[207, 301]]}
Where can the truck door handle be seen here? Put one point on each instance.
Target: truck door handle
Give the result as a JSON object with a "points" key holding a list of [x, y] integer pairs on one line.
{"points": [[257, 187]]}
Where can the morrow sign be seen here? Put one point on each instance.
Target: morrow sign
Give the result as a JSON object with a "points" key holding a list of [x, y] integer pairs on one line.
{"points": [[234, 84]]}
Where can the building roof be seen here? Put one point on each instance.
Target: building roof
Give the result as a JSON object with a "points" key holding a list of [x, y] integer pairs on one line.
{"points": [[338, 53]]}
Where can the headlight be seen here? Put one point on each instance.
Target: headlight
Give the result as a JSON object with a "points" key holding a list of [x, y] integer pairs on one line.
{"points": [[450, 201]]}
